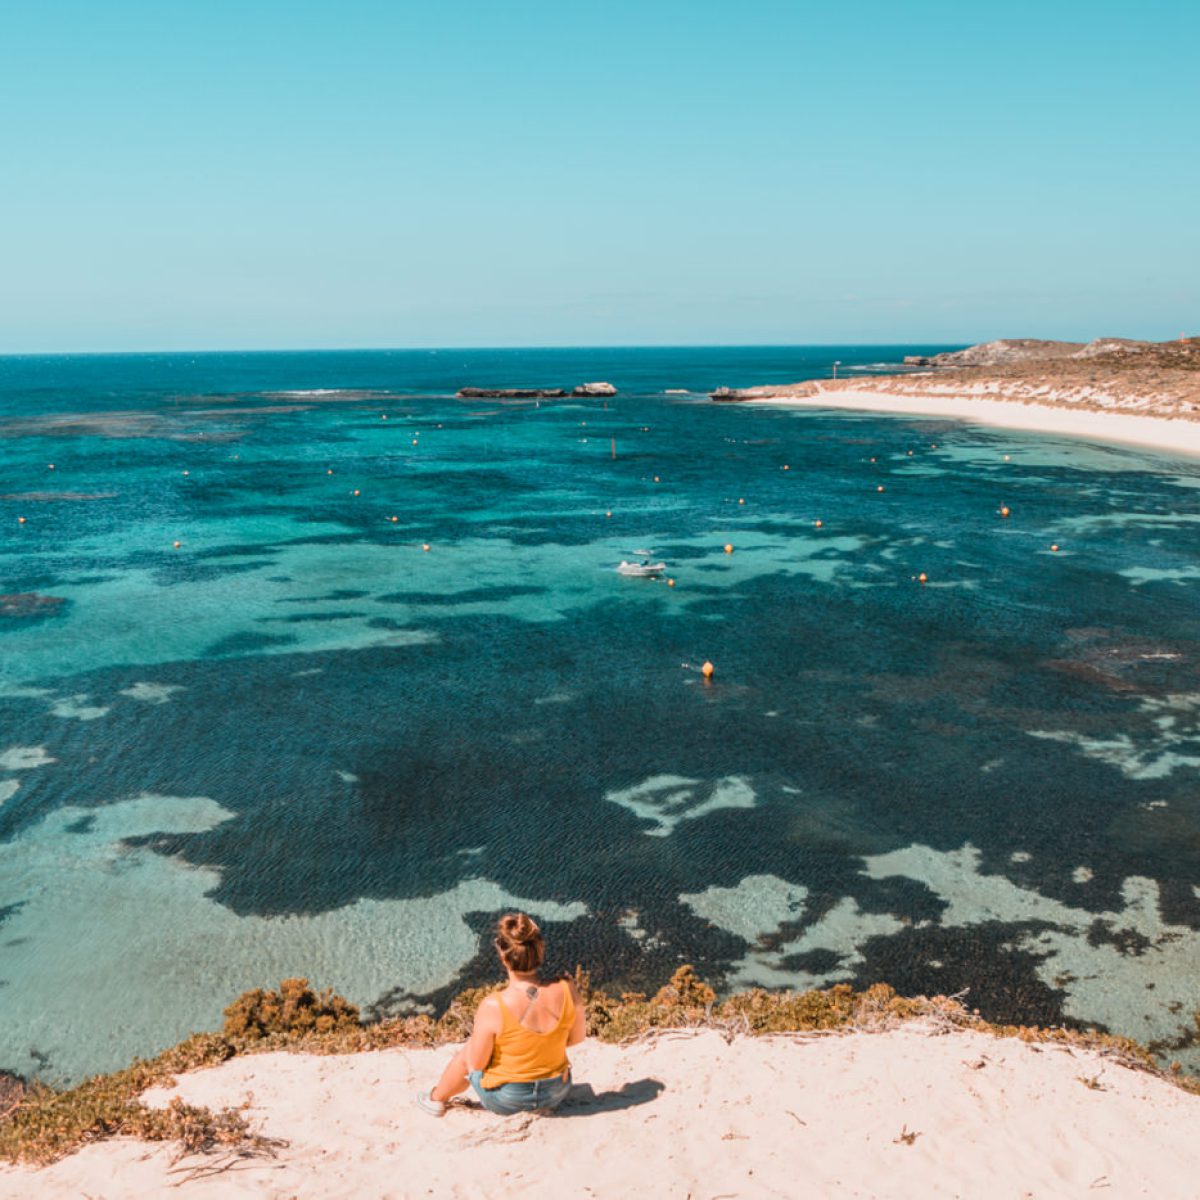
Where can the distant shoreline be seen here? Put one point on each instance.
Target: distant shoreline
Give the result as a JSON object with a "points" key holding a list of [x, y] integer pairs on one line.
{"points": [[1175, 435], [1108, 390]]}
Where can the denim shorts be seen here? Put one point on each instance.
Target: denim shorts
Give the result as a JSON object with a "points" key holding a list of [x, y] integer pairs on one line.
{"points": [[511, 1098]]}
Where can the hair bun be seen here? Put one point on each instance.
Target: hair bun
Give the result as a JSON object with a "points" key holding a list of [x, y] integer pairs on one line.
{"points": [[520, 928], [519, 942]]}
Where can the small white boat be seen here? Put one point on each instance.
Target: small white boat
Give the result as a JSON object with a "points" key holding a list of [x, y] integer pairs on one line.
{"points": [[641, 570]]}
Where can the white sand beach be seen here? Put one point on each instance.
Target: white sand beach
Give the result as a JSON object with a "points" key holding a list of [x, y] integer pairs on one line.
{"points": [[912, 1112], [1062, 414]]}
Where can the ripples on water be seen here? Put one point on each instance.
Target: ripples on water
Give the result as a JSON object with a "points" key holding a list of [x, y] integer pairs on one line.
{"points": [[300, 743]]}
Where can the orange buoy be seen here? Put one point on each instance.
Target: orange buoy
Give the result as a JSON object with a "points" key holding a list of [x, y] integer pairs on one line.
{"points": [[786, 467], [393, 519], [20, 520], [818, 522], [879, 488], [910, 454], [329, 472], [49, 466], [1054, 547], [707, 670], [176, 544], [670, 583], [357, 492], [608, 513], [656, 479], [740, 500], [1006, 458], [922, 578], [1004, 510], [425, 546], [933, 445], [728, 547], [383, 416], [874, 460]]}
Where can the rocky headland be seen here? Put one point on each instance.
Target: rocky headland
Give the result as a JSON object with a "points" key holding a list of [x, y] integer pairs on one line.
{"points": [[1109, 375]]}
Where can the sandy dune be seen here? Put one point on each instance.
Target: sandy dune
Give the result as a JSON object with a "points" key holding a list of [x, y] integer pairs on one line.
{"points": [[1047, 411], [690, 1115]]}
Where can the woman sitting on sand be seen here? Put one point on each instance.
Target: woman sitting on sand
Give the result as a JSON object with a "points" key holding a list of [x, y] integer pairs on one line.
{"points": [[516, 1057]]}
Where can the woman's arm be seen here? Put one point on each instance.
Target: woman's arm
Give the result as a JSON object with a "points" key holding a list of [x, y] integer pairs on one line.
{"points": [[579, 1025], [483, 1034]]}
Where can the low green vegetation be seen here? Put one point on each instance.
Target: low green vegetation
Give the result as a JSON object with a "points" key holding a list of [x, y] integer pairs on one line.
{"points": [[46, 1124]]}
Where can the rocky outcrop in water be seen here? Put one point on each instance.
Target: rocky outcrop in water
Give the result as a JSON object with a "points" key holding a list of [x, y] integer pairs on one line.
{"points": [[582, 390], [478, 393], [728, 395]]}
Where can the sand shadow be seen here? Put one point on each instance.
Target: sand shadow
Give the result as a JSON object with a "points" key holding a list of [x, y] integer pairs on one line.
{"points": [[584, 1102]]}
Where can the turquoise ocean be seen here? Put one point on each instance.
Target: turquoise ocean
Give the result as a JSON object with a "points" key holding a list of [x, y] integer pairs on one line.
{"points": [[300, 742]]}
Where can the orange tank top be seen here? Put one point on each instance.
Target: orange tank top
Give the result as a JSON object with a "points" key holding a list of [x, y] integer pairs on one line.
{"points": [[522, 1056]]}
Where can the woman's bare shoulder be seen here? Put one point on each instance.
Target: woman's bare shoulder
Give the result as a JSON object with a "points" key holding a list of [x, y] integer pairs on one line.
{"points": [[489, 1009]]}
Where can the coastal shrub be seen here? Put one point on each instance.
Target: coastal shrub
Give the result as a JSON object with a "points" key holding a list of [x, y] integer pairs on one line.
{"points": [[49, 1124], [418, 1030], [790, 1012], [686, 990], [294, 1009], [684, 1002]]}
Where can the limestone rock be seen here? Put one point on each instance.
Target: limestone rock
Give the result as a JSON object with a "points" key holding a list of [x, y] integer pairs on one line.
{"points": [[998, 353], [595, 389], [478, 393]]}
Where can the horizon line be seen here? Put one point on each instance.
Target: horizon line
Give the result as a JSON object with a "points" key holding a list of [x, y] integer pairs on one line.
{"points": [[473, 349]]}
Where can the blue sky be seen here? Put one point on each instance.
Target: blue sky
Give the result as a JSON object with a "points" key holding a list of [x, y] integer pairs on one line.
{"points": [[594, 172]]}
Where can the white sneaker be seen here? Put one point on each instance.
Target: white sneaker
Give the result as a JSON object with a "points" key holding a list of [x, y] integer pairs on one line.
{"points": [[426, 1102]]}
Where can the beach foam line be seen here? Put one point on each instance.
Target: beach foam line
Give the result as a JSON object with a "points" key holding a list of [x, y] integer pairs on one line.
{"points": [[1176, 436]]}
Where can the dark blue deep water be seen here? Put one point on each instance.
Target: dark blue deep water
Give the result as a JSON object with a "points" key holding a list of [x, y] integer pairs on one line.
{"points": [[302, 743]]}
